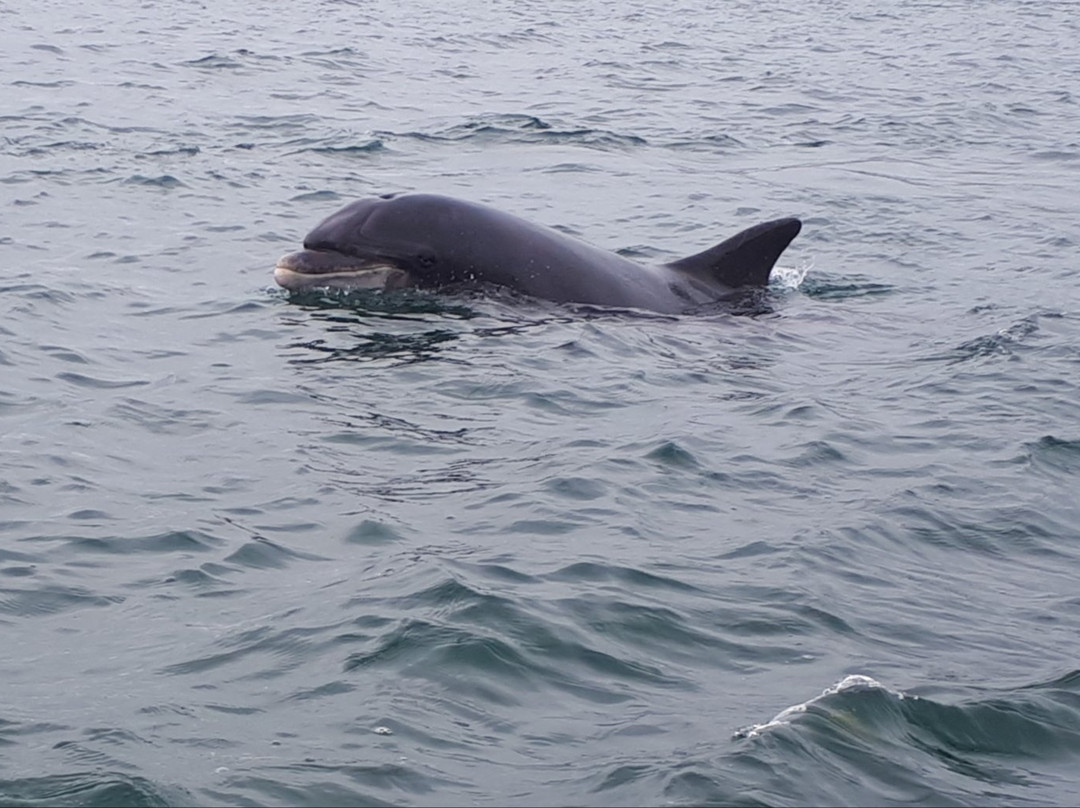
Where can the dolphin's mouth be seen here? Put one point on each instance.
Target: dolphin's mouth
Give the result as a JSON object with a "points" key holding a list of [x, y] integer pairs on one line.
{"points": [[319, 269]]}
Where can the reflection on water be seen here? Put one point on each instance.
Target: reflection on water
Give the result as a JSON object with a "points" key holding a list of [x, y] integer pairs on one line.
{"points": [[395, 304], [414, 347]]}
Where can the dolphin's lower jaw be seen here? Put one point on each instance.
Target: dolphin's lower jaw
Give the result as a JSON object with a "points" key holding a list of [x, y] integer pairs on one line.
{"points": [[318, 269]]}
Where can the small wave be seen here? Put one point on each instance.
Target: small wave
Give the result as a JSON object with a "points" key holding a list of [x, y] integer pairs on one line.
{"points": [[81, 380], [494, 646], [1002, 342], [98, 787], [826, 288], [716, 142], [1054, 454], [184, 151], [43, 600], [175, 541], [213, 62], [352, 149], [889, 740], [317, 196], [166, 181], [514, 128], [855, 683]]}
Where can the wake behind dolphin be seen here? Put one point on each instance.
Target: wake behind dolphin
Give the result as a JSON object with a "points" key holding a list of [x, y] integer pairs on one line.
{"points": [[433, 242]]}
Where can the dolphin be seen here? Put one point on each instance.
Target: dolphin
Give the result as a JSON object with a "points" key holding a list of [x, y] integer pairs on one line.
{"points": [[429, 241]]}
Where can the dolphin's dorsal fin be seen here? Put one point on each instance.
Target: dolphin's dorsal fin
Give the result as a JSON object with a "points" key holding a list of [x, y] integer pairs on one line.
{"points": [[745, 259]]}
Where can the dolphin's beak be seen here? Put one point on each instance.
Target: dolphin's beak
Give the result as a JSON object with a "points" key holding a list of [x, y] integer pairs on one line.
{"points": [[315, 269]]}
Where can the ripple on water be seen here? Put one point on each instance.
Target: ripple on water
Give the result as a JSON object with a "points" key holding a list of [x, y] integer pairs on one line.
{"points": [[102, 787]]}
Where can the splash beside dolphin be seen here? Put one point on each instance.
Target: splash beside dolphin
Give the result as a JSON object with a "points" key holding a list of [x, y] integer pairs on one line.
{"points": [[434, 242]]}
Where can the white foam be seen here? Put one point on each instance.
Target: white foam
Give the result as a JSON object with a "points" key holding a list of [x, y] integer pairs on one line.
{"points": [[791, 277]]}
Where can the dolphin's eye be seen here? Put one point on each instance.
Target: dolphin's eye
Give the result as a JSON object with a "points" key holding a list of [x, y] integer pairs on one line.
{"points": [[426, 260]]}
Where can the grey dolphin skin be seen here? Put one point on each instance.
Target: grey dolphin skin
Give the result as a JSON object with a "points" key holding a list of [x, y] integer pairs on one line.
{"points": [[432, 242]]}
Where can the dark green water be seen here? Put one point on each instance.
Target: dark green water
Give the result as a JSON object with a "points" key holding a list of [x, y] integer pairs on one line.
{"points": [[424, 550]]}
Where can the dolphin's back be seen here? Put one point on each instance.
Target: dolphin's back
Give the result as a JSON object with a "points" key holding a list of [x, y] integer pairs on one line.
{"points": [[505, 250]]}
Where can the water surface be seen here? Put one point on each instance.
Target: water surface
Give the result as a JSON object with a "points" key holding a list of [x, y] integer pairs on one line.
{"points": [[472, 549]]}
